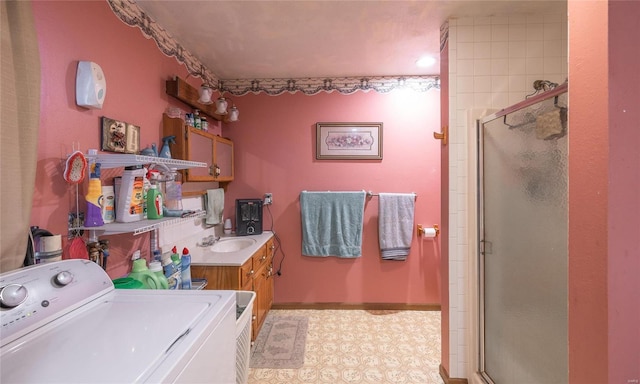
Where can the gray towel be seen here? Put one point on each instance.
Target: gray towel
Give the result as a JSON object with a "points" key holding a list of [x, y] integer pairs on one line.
{"points": [[214, 203], [395, 224], [332, 223]]}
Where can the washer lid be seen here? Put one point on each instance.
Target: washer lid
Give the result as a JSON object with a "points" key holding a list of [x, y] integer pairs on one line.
{"points": [[120, 338]]}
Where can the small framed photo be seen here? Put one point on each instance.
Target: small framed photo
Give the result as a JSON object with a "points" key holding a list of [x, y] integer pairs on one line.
{"points": [[119, 136], [349, 141]]}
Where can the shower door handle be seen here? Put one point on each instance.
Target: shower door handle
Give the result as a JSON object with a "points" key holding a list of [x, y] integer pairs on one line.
{"points": [[443, 135]]}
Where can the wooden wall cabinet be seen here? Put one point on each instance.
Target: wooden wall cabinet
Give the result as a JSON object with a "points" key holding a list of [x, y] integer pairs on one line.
{"points": [[256, 275], [193, 143]]}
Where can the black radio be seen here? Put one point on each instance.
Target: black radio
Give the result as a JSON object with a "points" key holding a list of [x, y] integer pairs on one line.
{"points": [[248, 217]]}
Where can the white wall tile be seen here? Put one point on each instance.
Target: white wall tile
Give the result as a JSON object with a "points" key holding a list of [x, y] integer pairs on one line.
{"points": [[500, 49], [553, 48], [482, 67], [465, 34], [465, 84], [517, 32], [482, 20], [535, 48], [517, 49], [517, 83], [482, 32], [492, 75], [482, 50], [465, 50], [465, 67], [552, 31], [499, 20], [535, 64], [553, 65], [535, 32], [500, 32], [482, 84], [517, 66], [499, 66]]}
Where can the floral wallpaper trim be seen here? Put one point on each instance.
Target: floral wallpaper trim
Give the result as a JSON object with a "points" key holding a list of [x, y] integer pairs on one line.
{"points": [[343, 85], [444, 34], [131, 14]]}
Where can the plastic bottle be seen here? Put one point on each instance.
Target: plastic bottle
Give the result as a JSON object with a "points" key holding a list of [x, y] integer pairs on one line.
{"points": [[93, 215], [172, 274], [130, 203], [197, 120], [141, 272], [186, 269], [177, 264], [156, 268], [173, 187], [154, 203], [108, 204]]}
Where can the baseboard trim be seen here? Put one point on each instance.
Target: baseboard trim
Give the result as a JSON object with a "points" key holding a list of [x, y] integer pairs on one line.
{"points": [[447, 380], [362, 306]]}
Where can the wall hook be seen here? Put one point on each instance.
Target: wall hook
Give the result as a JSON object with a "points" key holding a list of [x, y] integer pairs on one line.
{"points": [[443, 135]]}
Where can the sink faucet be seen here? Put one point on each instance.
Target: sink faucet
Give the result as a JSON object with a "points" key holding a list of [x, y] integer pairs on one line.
{"points": [[208, 241]]}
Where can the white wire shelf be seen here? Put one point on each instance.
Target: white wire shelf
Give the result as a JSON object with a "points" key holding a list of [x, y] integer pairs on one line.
{"points": [[138, 227], [117, 160]]}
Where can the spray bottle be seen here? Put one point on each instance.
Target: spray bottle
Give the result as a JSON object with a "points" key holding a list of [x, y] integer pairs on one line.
{"points": [[93, 216], [166, 150]]}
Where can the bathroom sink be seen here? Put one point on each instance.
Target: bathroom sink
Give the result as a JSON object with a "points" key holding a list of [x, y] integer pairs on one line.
{"points": [[232, 245]]}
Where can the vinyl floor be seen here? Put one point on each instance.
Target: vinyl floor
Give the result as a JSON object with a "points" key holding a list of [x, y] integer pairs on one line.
{"points": [[360, 346]]}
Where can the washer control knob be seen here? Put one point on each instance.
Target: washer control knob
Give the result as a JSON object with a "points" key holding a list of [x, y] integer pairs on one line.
{"points": [[13, 295], [63, 278]]}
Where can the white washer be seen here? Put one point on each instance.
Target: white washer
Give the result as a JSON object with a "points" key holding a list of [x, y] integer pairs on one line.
{"points": [[64, 322]]}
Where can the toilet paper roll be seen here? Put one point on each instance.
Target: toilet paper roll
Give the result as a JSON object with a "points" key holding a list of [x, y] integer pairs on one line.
{"points": [[429, 232]]}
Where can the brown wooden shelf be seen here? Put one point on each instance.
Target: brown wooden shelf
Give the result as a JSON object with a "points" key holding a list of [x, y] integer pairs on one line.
{"points": [[189, 95]]}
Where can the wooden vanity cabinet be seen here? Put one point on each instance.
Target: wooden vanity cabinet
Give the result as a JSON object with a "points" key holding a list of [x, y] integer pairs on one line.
{"points": [[256, 274], [197, 145]]}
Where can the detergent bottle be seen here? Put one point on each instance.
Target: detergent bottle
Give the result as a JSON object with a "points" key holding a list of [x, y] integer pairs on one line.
{"points": [[141, 272], [93, 216]]}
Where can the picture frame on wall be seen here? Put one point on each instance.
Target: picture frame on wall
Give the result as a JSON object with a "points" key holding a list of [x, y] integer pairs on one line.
{"points": [[120, 136], [349, 141]]}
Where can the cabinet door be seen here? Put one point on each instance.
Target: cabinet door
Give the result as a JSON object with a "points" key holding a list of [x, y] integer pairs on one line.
{"points": [[200, 148], [261, 303], [223, 159]]}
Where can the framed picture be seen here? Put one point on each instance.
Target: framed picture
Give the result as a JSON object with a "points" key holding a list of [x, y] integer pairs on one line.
{"points": [[119, 136], [349, 141]]}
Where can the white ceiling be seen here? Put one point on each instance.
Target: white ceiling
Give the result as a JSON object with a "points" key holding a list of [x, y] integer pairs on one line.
{"points": [[296, 39]]}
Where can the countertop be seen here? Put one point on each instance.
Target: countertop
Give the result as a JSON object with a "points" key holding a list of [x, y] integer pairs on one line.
{"points": [[205, 256]]}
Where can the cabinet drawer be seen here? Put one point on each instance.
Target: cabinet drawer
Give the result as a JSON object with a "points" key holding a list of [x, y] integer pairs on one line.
{"points": [[260, 258], [246, 273]]}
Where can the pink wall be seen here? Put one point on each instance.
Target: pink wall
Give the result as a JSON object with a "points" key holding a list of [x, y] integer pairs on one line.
{"points": [[135, 71], [275, 152], [624, 192], [604, 310]]}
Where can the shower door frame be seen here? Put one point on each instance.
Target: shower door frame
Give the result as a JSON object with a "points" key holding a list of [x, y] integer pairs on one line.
{"points": [[563, 88]]}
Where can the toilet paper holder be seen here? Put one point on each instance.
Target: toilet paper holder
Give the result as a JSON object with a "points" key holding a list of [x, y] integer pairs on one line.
{"points": [[421, 229]]}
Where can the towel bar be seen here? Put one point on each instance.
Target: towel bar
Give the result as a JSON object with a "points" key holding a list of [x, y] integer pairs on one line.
{"points": [[371, 194]]}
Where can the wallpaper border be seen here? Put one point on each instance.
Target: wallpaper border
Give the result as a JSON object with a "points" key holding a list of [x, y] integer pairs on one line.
{"points": [[131, 14]]}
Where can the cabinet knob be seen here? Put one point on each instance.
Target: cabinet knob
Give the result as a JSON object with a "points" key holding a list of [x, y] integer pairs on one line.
{"points": [[254, 317], [272, 247], [251, 272], [264, 257]]}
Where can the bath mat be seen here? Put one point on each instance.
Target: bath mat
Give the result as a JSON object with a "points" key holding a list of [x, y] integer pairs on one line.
{"points": [[280, 343]]}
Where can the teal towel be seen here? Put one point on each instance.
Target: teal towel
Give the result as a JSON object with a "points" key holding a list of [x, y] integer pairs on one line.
{"points": [[332, 223]]}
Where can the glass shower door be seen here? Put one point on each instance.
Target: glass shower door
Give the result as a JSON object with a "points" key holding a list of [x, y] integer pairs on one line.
{"points": [[523, 244]]}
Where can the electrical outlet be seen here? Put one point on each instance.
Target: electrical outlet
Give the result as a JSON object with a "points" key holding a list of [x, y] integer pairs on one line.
{"points": [[268, 199]]}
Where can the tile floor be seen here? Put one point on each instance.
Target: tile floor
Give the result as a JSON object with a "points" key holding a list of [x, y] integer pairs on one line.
{"points": [[359, 346]]}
